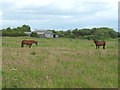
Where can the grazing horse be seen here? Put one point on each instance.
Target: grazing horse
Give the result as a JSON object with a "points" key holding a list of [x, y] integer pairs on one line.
{"points": [[101, 43], [28, 42]]}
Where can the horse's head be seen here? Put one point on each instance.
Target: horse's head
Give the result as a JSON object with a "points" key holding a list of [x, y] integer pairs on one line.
{"points": [[95, 41], [35, 42]]}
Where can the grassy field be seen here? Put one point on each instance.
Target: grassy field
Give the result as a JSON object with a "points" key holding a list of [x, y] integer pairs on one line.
{"points": [[59, 63]]}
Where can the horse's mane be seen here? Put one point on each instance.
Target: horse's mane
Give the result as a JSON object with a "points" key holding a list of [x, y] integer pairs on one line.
{"points": [[35, 41], [95, 40]]}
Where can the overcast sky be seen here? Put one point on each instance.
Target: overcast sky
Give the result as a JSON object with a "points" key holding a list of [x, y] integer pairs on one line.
{"points": [[59, 14]]}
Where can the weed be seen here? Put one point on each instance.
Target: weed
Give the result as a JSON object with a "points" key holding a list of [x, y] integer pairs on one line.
{"points": [[32, 53]]}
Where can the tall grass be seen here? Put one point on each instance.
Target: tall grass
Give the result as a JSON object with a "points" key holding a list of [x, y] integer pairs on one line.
{"points": [[59, 63]]}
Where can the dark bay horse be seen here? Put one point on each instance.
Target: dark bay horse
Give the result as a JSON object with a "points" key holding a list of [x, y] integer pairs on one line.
{"points": [[101, 43], [28, 42]]}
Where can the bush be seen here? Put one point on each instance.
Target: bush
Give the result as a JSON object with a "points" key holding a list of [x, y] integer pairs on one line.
{"points": [[89, 37], [101, 34], [34, 34], [19, 31], [5, 34], [71, 35], [16, 34], [104, 33]]}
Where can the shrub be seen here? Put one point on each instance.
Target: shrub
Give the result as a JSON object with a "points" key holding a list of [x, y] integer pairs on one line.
{"points": [[34, 34], [89, 37]]}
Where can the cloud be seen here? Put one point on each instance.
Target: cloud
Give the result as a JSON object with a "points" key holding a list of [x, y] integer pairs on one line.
{"points": [[1, 17], [59, 14]]}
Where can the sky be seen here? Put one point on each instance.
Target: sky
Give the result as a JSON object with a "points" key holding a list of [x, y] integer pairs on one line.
{"points": [[59, 14]]}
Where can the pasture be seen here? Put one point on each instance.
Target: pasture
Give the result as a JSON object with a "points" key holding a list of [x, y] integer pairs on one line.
{"points": [[59, 63]]}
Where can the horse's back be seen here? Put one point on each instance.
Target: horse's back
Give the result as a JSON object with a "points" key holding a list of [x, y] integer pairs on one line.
{"points": [[102, 43], [28, 41]]}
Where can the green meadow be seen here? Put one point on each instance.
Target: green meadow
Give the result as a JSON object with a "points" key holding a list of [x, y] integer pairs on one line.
{"points": [[59, 63]]}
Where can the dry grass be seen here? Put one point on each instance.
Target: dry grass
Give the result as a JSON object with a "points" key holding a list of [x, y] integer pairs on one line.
{"points": [[59, 63]]}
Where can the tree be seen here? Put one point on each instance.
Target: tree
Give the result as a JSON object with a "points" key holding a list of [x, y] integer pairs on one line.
{"points": [[118, 34], [67, 33], [101, 34], [76, 32], [60, 33], [34, 34], [25, 28], [93, 30], [85, 32], [19, 31], [8, 29], [71, 35], [113, 34]]}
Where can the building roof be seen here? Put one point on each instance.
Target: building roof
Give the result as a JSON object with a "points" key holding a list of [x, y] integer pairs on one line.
{"points": [[43, 31], [27, 32]]}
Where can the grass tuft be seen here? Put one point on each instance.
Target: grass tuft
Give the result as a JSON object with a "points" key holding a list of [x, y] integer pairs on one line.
{"points": [[32, 53]]}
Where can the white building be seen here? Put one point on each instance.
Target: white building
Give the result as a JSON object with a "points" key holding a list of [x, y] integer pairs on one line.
{"points": [[44, 33], [27, 33]]}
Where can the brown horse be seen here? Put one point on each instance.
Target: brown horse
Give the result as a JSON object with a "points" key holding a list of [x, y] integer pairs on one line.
{"points": [[101, 43], [28, 42]]}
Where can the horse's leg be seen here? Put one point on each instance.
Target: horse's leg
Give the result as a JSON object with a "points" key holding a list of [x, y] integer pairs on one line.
{"points": [[30, 45], [98, 47], [22, 44], [103, 46]]}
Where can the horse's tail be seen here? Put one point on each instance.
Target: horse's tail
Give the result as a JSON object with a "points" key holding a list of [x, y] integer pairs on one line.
{"points": [[22, 43]]}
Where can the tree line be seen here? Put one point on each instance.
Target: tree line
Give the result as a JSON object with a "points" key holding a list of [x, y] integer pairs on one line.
{"points": [[19, 31], [97, 33], [94, 33]]}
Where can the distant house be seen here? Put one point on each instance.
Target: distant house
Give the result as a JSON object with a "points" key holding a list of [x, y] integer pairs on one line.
{"points": [[43, 33], [46, 33]]}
